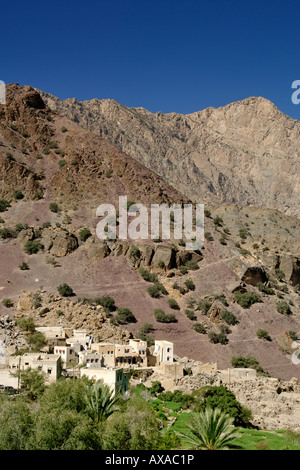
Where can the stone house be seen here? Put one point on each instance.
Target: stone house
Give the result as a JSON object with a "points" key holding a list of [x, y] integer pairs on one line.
{"points": [[116, 379], [49, 364]]}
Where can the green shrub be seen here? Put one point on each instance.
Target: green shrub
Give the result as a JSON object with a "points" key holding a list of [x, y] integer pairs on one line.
{"points": [[32, 247], [204, 305], [63, 129], [84, 234], [246, 299], [265, 289], [62, 163], [6, 233], [293, 335], [24, 266], [153, 291], [173, 304], [7, 303], [208, 236], [199, 328], [18, 194], [229, 317], [279, 274], [124, 315], [224, 399], [37, 300], [247, 362], [26, 324], [283, 308], [134, 252], [10, 156], [161, 287], [150, 277], [190, 314], [183, 269], [217, 337], [65, 290], [53, 206], [162, 317], [263, 334], [107, 303], [190, 284], [192, 265], [218, 221], [4, 204]]}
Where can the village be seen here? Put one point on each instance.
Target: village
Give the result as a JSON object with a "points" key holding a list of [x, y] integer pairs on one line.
{"points": [[76, 355]]}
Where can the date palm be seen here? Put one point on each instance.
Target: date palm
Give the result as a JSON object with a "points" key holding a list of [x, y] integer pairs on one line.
{"points": [[100, 402], [211, 429]]}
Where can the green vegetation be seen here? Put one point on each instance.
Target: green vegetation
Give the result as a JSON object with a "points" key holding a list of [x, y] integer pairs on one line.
{"points": [[263, 334], [32, 246], [124, 316], [173, 304], [153, 291], [247, 362], [283, 308], [217, 337], [265, 289], [210, 430], [229, 317], [199, 328], [204, 305], [246, 299], [190, 284], [150, 277], [7, 303], [18, 194], [190, 314], [4, 205], [107, 303], [62, 163], [53, 206], [24, 266], [84, 234], [65, 290], [162, 317]]}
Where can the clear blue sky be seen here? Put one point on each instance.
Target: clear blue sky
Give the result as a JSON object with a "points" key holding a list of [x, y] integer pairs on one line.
{"points": [[163, 55]]}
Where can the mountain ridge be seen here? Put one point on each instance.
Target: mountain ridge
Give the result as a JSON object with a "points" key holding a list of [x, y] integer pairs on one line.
{"points": [[245, 153]]}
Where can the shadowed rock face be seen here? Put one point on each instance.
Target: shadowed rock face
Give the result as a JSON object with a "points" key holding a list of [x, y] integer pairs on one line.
{"points": [[253, 275], [245, 153]]}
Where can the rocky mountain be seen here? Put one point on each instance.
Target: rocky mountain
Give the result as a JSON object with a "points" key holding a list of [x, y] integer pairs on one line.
{"points": [[245, 153], [54, 173]]}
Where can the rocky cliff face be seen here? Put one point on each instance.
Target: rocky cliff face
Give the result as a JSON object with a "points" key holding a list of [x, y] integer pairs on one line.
{"points": [[245, 153]]}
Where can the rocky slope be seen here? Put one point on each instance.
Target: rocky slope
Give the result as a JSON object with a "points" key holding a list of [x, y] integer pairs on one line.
{"points": [[50, 159], [245, 153]]}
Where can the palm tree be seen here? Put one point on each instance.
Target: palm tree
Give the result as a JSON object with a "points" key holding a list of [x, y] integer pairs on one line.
{"points": [[210, 430], [100, 402]]}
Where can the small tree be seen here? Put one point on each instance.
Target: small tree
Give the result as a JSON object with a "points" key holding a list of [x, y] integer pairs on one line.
{"points": [[124, 315], [173, 304], [32, 247], [263, 334], [65, 290]]}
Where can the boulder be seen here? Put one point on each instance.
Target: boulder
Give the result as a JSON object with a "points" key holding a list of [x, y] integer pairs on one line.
{"points": [[59, 242], [166, 254], [25, 302], [98, 249], [290, 265]]}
